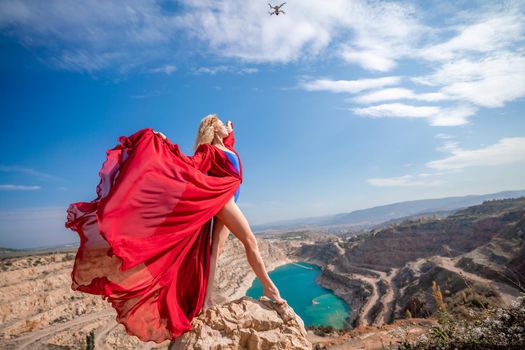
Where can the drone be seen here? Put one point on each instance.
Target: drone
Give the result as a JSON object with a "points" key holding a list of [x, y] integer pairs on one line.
{"points": [[276, 10]]}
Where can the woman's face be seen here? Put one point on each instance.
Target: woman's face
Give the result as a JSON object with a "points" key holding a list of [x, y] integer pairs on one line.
{"points": [[220, 129]]}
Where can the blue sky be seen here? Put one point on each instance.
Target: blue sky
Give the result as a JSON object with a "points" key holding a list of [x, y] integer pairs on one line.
{"points": [[337, 105]]}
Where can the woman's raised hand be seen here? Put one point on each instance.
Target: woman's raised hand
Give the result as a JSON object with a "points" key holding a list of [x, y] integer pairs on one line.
{"points": [[159, 133], [229, 126]]}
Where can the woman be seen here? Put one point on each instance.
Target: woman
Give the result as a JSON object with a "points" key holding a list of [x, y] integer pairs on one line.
{"points": [[145, 240], [213, 131]]}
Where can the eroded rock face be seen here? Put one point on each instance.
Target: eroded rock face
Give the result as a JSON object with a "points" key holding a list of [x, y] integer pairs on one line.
{"points": [[245, 323]]}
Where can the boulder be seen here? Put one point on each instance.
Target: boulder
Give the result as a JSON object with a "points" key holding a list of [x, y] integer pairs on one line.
{"points": [[246, 324]]}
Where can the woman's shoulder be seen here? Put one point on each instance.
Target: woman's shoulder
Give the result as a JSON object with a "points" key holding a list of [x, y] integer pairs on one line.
{"points": [[208, 149]]}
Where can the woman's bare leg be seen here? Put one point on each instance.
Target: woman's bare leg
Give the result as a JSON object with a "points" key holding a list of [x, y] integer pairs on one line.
{"points": [[234, 219], [219, 234]]}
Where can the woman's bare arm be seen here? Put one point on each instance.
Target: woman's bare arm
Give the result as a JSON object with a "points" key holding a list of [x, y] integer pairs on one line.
{"points": [[159, 133], [229, 141]]}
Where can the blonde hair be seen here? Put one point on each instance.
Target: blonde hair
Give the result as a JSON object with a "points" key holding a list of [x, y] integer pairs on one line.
{"points": [[206, 131]]}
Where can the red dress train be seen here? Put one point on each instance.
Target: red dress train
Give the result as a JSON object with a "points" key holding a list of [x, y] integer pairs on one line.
{"points": [[145, 240]]}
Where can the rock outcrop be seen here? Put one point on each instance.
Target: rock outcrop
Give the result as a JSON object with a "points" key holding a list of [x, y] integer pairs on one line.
{"points": [[383, 273], [245, 323]]}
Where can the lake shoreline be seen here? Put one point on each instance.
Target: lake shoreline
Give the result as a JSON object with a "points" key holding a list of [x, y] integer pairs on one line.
{"points": [[322, 289]]}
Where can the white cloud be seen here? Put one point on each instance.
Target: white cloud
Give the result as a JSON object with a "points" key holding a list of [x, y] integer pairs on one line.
{"points": [[453, 116], [481, 65], [422, 179], [397, 110], [10, 187], [167, 69], [506, 150], [489, 82], [94, 35], [248, 70], [448, 146], [399, 93], [383, 32], [436, 116], [244, 30], [81, 60], [348, 86], [101, 34], [225, 69], [28, 171], [443, 136], [375, 60], [488, 35]]}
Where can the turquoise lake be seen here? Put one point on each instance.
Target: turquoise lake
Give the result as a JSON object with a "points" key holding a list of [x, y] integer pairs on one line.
{"points": [[317, 306]]}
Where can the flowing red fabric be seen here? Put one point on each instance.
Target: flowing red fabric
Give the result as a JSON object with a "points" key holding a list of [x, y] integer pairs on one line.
{"points": [[145, 240]]}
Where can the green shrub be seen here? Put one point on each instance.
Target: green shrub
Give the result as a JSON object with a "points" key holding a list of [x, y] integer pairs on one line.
{"points": [[495, 328]]}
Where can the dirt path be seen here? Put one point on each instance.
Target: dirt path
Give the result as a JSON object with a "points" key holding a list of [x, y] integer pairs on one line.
{"points": [[100, 335], [27, 341], [508, 293], [387, 300], [364, 317], [372, 300]]}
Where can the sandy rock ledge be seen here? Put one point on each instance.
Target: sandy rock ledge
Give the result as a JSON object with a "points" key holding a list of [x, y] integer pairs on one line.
{"points": [[248, 324]]}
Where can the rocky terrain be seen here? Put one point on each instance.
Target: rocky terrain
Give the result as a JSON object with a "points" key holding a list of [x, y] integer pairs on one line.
{"points": [[386, 272], [476, 255], [39, 310], [246, 324]]}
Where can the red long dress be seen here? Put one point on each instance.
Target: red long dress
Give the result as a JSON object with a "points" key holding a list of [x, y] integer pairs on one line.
{"points": [[145, 240]]}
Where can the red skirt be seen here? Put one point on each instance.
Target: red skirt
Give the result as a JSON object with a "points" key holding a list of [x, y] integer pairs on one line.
{"points": [[145, 240]]}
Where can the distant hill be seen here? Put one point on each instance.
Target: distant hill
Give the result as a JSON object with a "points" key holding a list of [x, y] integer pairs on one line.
{"points": [[7, 250], [367, 218], [12, 253]]}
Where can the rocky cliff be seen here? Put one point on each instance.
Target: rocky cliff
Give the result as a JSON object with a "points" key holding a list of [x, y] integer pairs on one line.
{"points": [[383, 273], [39, 310], [245, 323], [476, 255]]}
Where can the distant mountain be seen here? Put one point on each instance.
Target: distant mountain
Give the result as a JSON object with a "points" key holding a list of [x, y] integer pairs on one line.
{"points": [[366, 218], [7, 250], [12, 252], [46, 247]]}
